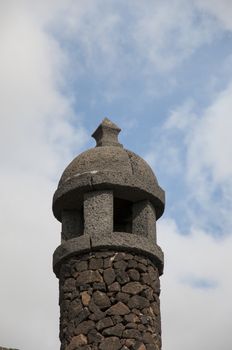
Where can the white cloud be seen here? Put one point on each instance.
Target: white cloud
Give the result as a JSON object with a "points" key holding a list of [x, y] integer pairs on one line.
{"points": [[181, 117], [166, 35], [37, 139], [128, 39], [198, 147], [211, 144], [222, 10], [208, 165], [32, 108], [195, 317]]}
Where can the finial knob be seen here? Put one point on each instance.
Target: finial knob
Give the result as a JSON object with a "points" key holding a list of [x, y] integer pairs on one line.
{"points": [[106, 134]]}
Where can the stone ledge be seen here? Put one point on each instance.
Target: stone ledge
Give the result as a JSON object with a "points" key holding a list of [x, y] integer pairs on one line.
{"points": [[121, 241], [124, 186]]}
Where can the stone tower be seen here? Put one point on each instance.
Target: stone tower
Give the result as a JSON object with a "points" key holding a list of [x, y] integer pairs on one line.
{"points": [[108, 264]]}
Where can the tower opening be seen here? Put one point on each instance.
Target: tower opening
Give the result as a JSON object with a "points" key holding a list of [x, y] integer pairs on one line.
{"points": [[122, 215]]}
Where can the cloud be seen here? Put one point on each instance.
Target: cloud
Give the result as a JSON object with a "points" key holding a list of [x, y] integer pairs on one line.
{"points": [[211, 146], [195, 145], [130, 40], [182, 117], [221, 10], [199, 283], [167, 35], [32, 108], [197, 312], [208, 165], [37, 139]]}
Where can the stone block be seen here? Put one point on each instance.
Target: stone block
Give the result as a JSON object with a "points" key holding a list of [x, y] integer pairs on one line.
{"points": [[133, 274], [101, 299], [115, 330], [132, 288], [89, 276], [109, 276], [85, 298], [110, 343], [132, 333], [124, 297], [84, 327], [138, 302], [104, 323], [114, 287], [77, 341], [118, 309], [94, 337]]}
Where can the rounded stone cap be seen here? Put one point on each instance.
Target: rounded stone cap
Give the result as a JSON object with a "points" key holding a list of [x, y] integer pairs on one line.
{"points": [[107, 166]]}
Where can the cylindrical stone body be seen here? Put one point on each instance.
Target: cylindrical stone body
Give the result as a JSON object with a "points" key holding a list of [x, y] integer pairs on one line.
{"points": [[109, 301]]}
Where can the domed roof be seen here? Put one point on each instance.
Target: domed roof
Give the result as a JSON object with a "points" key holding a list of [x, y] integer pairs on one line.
{"points": [[107, 166]]}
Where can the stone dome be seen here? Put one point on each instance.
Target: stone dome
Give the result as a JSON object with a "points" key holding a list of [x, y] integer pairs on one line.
{"points": [[107, 166]]}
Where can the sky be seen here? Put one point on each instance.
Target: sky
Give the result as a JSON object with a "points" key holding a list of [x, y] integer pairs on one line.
{"points": [[162, 71]]}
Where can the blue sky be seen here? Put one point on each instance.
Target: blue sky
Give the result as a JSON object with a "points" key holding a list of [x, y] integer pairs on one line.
{"points": [[161, 70]]}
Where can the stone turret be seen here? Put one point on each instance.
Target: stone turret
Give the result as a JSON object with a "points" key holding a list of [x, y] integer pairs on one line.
{"points": [[108, 264]]}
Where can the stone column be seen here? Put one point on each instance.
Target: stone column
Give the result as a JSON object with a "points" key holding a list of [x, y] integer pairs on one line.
{"points": [[144, 220], [98, 212]]}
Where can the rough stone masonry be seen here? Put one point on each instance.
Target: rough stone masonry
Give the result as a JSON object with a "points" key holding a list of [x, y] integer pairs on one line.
{"points": [[108, 264]]}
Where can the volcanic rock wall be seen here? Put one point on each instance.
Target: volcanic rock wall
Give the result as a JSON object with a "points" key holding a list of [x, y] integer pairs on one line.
{"points": [[109, 301]]}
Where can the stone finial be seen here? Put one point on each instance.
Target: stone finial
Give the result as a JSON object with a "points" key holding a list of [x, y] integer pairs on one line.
{"points": [[106, 134]]}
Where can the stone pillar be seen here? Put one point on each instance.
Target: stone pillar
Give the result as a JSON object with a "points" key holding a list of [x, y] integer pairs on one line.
{"points": [[98, 212], [144, 220]]}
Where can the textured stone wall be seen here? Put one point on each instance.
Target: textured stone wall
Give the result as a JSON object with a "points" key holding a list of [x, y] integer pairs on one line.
{"points": [[109, 301]]}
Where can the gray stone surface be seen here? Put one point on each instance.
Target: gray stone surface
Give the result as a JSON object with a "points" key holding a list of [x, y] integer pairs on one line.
{"points": [[98, 212], [144, 220], [107, 134], [91, 317], [72, 224]]}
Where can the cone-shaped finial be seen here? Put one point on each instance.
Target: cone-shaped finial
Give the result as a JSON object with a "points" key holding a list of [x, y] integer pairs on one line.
{"points": [[106, 134]]}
